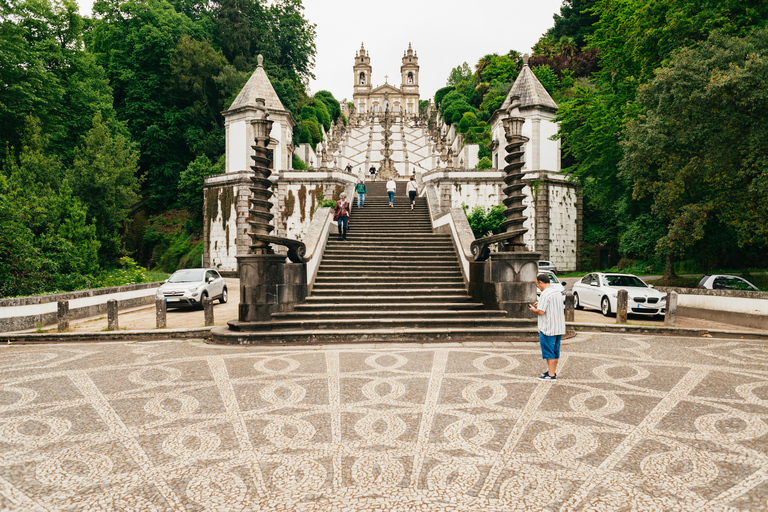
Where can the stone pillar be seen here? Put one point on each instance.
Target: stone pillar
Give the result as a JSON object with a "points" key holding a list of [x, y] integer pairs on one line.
{"points": [[670, 317], [509, 282], [112, 324], [161, 309], [541, 219], [477, 280], [569, 310], [208, 311], [294, 288], [62, 315], [621, 307]]}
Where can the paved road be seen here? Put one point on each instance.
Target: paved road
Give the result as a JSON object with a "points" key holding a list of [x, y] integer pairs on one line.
{"points": [[632, 423], [179, 318]]}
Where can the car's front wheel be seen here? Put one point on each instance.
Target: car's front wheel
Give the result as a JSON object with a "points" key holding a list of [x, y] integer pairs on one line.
{"points": [[576, 304], [605, 306], [203, 296], [223, 298]]}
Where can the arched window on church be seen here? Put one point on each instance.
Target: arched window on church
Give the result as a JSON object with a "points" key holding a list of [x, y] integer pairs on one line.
{"points": [[362, 78], [375, 107], [410, 78], [397, 107]]}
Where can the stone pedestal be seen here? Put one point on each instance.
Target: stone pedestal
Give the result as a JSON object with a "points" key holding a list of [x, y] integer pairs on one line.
{"points": [[268, 284], [508, 282]]}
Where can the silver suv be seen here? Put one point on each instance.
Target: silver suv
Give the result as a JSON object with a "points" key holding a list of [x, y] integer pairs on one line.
{"points": [[189, 286]]}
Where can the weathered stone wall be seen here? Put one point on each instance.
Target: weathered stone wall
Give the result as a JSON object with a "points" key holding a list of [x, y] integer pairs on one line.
{"points": [[225, 205], [553, 208], [299, 193]]}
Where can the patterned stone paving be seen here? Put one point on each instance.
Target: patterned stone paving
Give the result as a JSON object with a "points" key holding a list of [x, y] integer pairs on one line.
{"points": [[633, 423]]}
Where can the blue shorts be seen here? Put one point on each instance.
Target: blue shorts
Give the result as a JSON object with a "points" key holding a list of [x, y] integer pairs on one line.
{"points": [[550, 346]]}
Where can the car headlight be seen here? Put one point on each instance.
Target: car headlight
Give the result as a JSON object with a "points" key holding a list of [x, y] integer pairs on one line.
{"points": [[194, 288]]}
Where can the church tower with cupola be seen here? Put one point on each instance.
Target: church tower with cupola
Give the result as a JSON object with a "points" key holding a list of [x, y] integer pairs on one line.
{"points": [[409, 73], [362, 70]]}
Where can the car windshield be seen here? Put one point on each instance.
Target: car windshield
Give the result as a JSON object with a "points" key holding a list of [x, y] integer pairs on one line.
{"points": [[624, 281], [187, 276]]}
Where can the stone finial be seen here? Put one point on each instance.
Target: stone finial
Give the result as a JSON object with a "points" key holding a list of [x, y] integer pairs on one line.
{"points": [[260, 61], [525, 59]]}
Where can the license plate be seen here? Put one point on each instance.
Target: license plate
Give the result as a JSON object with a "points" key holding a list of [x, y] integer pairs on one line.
{"points": [[172, 299]]}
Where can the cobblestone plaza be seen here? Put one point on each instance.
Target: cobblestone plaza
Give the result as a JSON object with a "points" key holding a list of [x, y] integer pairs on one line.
{"points": [[632, 423]]}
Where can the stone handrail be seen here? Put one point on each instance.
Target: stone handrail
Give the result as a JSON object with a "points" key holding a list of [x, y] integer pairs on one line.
{"points": [[481, 247], [316, 239], [453, 221], [296, 248]]}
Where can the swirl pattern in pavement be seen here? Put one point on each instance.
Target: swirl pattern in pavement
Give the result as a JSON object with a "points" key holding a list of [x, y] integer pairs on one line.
{"points": [[632, 423]]}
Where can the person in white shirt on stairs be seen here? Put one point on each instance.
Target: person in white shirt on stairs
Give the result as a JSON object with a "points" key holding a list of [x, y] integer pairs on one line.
{"points": [[391, 191]]}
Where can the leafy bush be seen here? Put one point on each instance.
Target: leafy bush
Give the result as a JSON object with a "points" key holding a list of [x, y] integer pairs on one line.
{"points": [[484, 163], [298, 164], [485, 222], [191, 183], [468, 120], [441, 93]]}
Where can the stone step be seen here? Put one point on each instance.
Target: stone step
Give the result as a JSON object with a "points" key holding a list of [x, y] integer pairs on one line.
{"points": [[361, 299], [358, 269], [388, 306], [417, 313], [355, 251], [391, 280], [380, 290], [236, 335], [365, 323], [385, 274]]}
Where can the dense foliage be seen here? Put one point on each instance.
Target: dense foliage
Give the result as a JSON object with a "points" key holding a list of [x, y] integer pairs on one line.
{"points": [[106, 123], [662, 124]]}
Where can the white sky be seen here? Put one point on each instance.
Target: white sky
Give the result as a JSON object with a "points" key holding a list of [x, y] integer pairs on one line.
{"points": [[443, 34]]}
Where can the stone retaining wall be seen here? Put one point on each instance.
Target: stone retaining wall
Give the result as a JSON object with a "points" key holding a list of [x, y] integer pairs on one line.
{"points": [[29, 312], [735, 307]]}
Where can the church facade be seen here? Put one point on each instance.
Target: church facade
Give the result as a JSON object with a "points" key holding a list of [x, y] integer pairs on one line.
{"points": [[399, 101]]}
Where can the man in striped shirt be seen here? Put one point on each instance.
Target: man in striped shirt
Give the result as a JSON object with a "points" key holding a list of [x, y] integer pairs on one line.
{"points": [[550, 309]]}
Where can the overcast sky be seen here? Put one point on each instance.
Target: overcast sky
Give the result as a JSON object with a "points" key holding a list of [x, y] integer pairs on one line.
{"points": [[443, 34]]}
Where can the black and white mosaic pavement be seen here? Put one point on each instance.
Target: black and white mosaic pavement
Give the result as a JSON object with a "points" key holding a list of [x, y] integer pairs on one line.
{"points": [[632, 423]]}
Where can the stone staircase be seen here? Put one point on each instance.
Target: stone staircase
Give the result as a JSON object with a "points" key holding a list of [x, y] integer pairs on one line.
{"points": [[393, 279]]}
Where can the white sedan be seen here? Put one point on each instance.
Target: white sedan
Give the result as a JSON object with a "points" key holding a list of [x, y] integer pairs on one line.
{"points": [[600, 291]]}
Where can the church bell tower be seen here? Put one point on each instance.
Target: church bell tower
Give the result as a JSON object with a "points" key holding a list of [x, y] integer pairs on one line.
{"points": [[362, 71], [409, 72]]}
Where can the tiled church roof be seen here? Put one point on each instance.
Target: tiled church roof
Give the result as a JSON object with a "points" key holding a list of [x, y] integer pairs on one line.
{"points": [[258, 86], [530, 91]]}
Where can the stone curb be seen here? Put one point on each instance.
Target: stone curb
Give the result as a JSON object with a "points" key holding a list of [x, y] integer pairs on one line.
{"points": [[205, 332], [665, 331], [34, 338]]}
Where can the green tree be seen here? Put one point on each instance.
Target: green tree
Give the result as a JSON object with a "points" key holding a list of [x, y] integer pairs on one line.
{"points": [[459, 74], [576, 20], [191, 184], [484, 163], [45, 72], [705, 100], [103, 176]]}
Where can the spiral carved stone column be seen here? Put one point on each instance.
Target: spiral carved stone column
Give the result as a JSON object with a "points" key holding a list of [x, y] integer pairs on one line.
{"points": [[506, 279], [268, 283]]}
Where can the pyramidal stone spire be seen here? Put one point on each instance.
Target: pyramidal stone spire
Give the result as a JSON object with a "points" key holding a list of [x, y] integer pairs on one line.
{"points": [[529, 91], [258, 87]]}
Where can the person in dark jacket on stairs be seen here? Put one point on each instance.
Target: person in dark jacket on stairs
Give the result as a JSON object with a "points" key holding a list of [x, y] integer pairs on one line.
{"points": [[341, 215], [413, 191]]}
